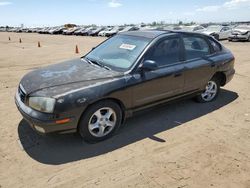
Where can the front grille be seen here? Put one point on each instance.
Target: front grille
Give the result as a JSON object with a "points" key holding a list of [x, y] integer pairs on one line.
{"points": [[21, 93]]}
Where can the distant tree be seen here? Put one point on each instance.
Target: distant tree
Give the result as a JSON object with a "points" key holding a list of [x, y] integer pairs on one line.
{"points": [[180, 23], [69, 25], [154, 23]]}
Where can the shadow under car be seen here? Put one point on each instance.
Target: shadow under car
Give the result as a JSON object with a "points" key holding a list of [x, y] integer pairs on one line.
{"points": [[59, 149]]}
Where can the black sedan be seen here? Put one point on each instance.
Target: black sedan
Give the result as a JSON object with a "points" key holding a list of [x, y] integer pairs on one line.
{"points": [[128, 72]]}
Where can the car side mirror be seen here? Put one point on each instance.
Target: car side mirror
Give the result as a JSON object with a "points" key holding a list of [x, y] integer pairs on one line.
{"points": [[149, 65]]}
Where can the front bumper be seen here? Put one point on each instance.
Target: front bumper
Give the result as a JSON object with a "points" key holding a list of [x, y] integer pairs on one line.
{"points": [[238, 37], [43, 122]]}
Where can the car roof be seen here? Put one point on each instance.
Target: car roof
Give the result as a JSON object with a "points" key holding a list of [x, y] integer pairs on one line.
{"points": [[151, 34]]}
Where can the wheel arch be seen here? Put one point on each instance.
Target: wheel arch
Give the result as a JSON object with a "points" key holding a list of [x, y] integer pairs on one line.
{"points": [[221, 77], [117, 101]]}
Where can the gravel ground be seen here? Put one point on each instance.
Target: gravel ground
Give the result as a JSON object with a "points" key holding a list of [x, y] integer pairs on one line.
{"points": [[182, 144]]}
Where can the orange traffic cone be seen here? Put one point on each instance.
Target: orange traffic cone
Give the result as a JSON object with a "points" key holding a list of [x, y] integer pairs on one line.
{"points": [[77, 50], [9, 39], [38, 44], [20, 40]]}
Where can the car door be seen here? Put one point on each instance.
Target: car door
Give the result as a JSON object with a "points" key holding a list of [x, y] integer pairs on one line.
{"points": [[199, 68], [225, 32], [167, 80], [228, 32]]}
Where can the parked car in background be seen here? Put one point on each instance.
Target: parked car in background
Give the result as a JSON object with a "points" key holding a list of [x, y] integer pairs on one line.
{"points": [[3, 29], [57, 30], [94, 32], [29, 30], [129, 28], [240, 33], [34, 30], [90, 31], [44, 30], [193, 28], [103, 33], [79, 31], [145, 28], [12, 30], [151, 28], [113, 31], [86, 30], [219, 32], [128, 72], [70, 31], [19, 30], [177, 27]]}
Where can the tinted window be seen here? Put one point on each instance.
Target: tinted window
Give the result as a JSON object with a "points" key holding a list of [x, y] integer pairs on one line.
{"points": [[197, 28], [225, 29], [215, 45], [166, 52], [195, 47]]}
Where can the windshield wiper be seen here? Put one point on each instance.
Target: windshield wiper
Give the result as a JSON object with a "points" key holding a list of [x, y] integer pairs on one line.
{"points": [[97, 63]]}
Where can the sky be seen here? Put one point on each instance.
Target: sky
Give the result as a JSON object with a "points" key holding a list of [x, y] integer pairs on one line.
{"points": [[33, 13]]}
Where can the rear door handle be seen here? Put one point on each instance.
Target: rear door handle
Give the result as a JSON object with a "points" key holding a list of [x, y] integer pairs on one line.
{"points": [[177, 74], [213, 65]]}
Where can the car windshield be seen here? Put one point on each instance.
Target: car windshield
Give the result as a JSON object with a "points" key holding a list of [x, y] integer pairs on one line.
{"points": [[214, 28], [119, 52]]}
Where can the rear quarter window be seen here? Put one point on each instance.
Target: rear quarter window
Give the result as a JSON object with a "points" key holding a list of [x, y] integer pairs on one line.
{"points": [[216, 46], [195, 47]]}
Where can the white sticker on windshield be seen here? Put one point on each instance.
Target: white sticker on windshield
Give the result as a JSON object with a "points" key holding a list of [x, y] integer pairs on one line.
{"points": [[128, 46]]}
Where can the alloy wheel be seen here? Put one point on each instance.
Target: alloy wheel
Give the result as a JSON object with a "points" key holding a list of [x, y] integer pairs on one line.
{"points": [[210, 92], [102, 122]]}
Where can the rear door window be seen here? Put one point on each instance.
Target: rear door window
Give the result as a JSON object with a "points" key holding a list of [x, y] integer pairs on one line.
{"points": [[195, 47]]}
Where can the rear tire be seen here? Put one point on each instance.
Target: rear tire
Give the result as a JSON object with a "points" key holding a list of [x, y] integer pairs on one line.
{"points": [[100, 121], [211, 92]]}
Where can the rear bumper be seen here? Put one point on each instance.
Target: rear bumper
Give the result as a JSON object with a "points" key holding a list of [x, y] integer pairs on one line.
{"points": [[42, 122], [229, 75]]}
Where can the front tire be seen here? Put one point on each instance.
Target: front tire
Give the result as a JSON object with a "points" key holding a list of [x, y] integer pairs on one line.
{"points": [[100, 121], [211, 91]]}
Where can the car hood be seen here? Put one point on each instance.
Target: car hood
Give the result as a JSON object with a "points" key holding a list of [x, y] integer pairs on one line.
{"points": [[66, 73], [112, 31], [240, 31], [209, 32]]}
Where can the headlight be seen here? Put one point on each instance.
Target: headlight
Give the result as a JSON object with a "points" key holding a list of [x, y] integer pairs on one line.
{"points": [[42, 104]]}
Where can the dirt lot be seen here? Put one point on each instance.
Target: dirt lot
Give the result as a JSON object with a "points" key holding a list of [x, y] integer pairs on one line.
{"points": [[183, 144]]}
